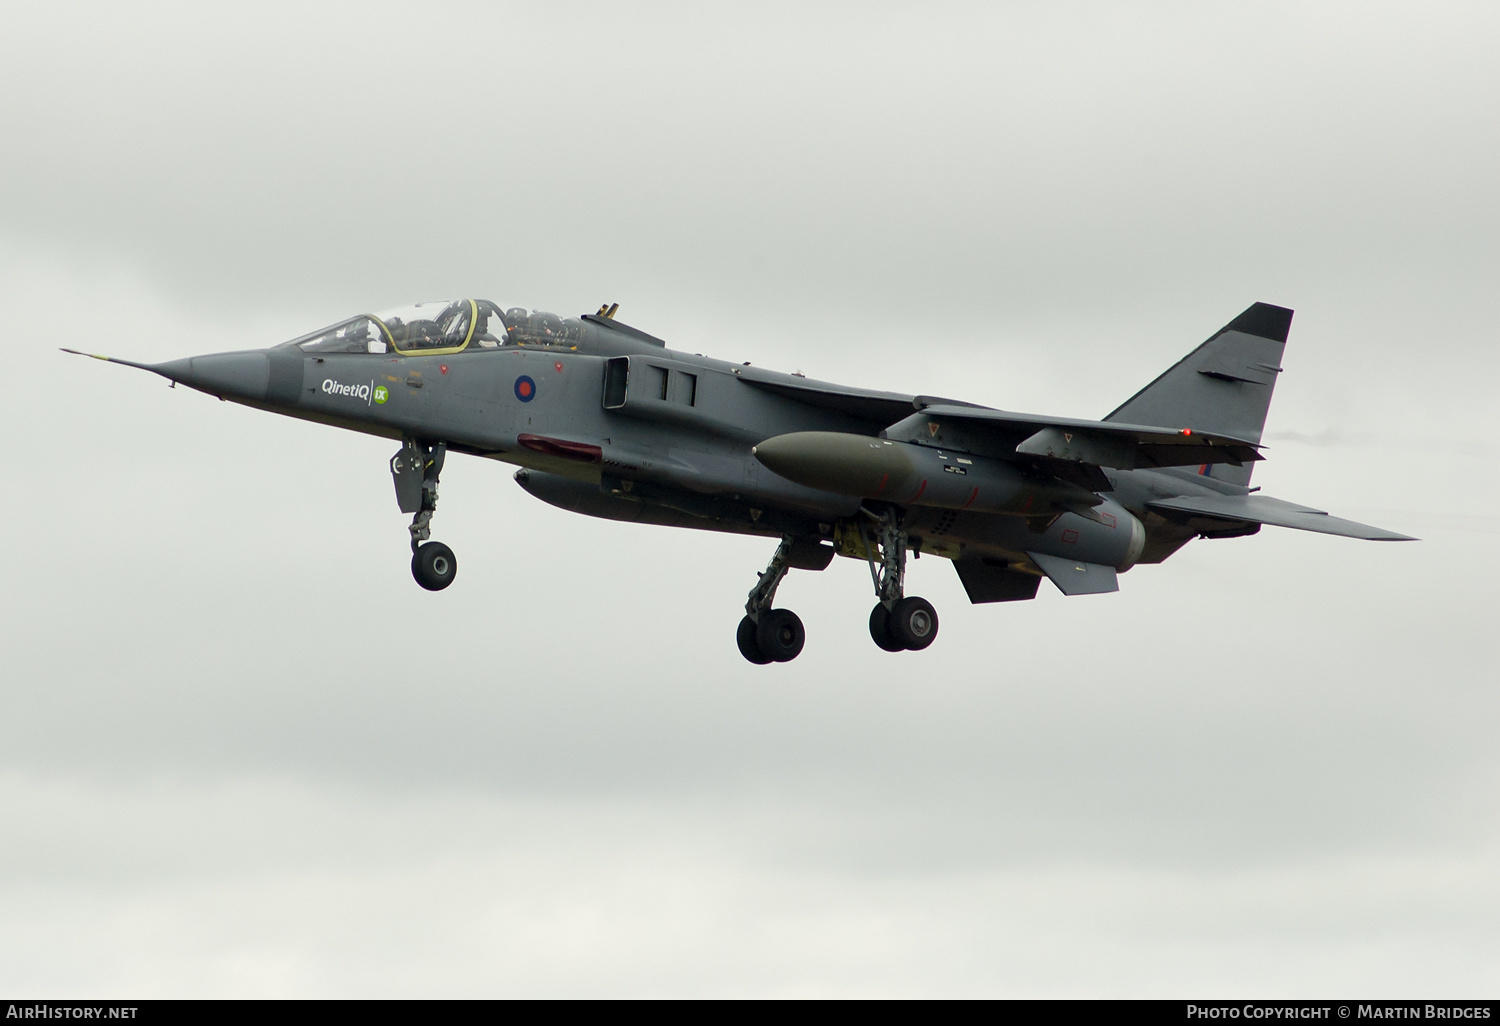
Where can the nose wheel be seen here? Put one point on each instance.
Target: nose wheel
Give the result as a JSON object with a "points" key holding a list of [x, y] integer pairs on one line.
{"points": [[415, 470], [433, 566]]}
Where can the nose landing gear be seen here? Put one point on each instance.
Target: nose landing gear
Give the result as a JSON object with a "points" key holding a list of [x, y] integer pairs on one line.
{"points": [[415, 470]]}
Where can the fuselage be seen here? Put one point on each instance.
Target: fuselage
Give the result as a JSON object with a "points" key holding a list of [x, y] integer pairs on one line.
{"points": [[609, 422]]}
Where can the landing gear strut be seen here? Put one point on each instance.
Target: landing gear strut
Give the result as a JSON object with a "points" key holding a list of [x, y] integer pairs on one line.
{"points": [[769, 635], [898, 622], [415, 470]]}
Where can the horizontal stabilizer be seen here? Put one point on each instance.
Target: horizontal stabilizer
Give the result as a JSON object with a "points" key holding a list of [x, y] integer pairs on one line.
{"points": [[1263, 509], [1075, 578]]}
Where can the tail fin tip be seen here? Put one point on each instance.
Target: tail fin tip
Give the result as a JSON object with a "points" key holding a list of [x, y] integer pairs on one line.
{"points": [[1263, 321]]}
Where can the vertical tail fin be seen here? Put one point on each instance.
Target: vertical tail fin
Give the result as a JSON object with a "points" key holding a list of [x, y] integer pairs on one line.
{"points": [[1224, 385]]}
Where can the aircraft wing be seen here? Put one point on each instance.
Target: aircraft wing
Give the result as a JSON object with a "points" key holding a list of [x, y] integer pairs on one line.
{"points": [[1101, 443], [1263, 509], [867, 404]]}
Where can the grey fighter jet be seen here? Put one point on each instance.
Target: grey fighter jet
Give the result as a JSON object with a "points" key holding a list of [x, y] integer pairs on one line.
{"points": [[606, 420]]}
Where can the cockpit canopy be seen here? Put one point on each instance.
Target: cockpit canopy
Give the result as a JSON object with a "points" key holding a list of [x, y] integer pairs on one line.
{"points": [[437, 328]]}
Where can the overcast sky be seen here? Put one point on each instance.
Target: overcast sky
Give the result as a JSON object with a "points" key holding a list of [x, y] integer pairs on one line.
{"points": [[244, 754]]}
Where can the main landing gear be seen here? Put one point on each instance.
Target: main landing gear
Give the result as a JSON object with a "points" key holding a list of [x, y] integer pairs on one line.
{"points": [[415, 470], [899, 622], [769, 635]]}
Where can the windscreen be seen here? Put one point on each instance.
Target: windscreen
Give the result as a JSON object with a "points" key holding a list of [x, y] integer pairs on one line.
{"points": [[360, 335]]}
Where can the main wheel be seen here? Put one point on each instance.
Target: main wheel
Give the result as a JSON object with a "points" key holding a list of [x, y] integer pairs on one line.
{"points": [[780, 634], [749, 646], [914, 623], [433, 566], [880, 629]]}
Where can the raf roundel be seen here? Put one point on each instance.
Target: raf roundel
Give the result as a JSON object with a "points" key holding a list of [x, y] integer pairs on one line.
{"points": [[525, 388]]}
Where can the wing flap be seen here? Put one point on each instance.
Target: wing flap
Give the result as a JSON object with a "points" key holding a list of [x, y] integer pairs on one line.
{"points": [[1264, 509]]}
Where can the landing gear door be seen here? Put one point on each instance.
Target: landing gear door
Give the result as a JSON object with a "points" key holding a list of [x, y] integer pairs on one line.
{"points": [[406, 471]]}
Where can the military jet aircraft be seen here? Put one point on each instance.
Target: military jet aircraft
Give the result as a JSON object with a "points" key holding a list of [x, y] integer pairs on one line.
{"points": [[606, 420]]}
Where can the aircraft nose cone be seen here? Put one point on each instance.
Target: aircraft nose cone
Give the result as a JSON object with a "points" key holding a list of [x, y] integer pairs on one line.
{"points": [[231, 375]]}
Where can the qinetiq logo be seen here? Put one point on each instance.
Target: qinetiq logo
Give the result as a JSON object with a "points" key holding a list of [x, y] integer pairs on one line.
{"points": [[332, 387]]}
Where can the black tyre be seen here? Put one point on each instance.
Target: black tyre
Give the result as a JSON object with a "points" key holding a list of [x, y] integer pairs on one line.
{"points": [[749, 646], [880, 629], [780, 635], [914, 623], [433, 566]]}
